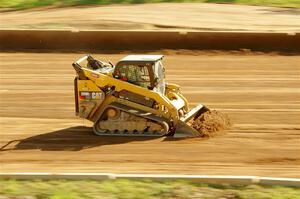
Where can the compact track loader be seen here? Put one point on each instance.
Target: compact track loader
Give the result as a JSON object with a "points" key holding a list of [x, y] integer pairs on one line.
{"points": [[132, 98]]}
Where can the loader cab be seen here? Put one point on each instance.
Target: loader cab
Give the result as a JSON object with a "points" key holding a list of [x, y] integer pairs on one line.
{"points": [[146, 71]]}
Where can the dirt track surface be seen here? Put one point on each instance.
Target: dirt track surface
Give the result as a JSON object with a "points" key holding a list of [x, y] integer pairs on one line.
{"points": [[39, 132], [162, 16]]}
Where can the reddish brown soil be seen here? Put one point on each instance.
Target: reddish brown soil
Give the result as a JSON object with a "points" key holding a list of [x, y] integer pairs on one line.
{"points": [[260, 93], [162, 16]]}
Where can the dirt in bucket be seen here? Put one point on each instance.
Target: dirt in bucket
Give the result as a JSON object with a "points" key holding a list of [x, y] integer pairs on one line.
{"points": [[211, 122]]}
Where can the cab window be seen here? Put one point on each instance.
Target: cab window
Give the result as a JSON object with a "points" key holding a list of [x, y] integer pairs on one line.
{"points": [[135, 74]]}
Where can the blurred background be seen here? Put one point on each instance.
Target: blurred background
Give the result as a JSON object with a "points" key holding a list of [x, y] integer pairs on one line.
{"points": [[206, 15], [22, 4]]}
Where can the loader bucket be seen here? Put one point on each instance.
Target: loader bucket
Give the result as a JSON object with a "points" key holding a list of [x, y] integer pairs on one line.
{"points": [[183, 128]]}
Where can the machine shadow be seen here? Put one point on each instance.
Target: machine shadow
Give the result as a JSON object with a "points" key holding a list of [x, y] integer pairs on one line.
{"points": [[69, 139]]}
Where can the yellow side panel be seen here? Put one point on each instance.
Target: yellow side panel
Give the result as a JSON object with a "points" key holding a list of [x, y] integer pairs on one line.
{"points": [[87, 85], [90, 97]]}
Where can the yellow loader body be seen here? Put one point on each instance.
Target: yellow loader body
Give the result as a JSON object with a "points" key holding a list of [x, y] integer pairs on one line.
{"points": [[120, 106]]}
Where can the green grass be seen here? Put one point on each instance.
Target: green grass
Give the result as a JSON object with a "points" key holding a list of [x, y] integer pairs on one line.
{"points": [[135, 189], [24, 4]]}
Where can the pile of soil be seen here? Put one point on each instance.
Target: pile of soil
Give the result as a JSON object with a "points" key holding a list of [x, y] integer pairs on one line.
{"points": [[211, 122]]}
